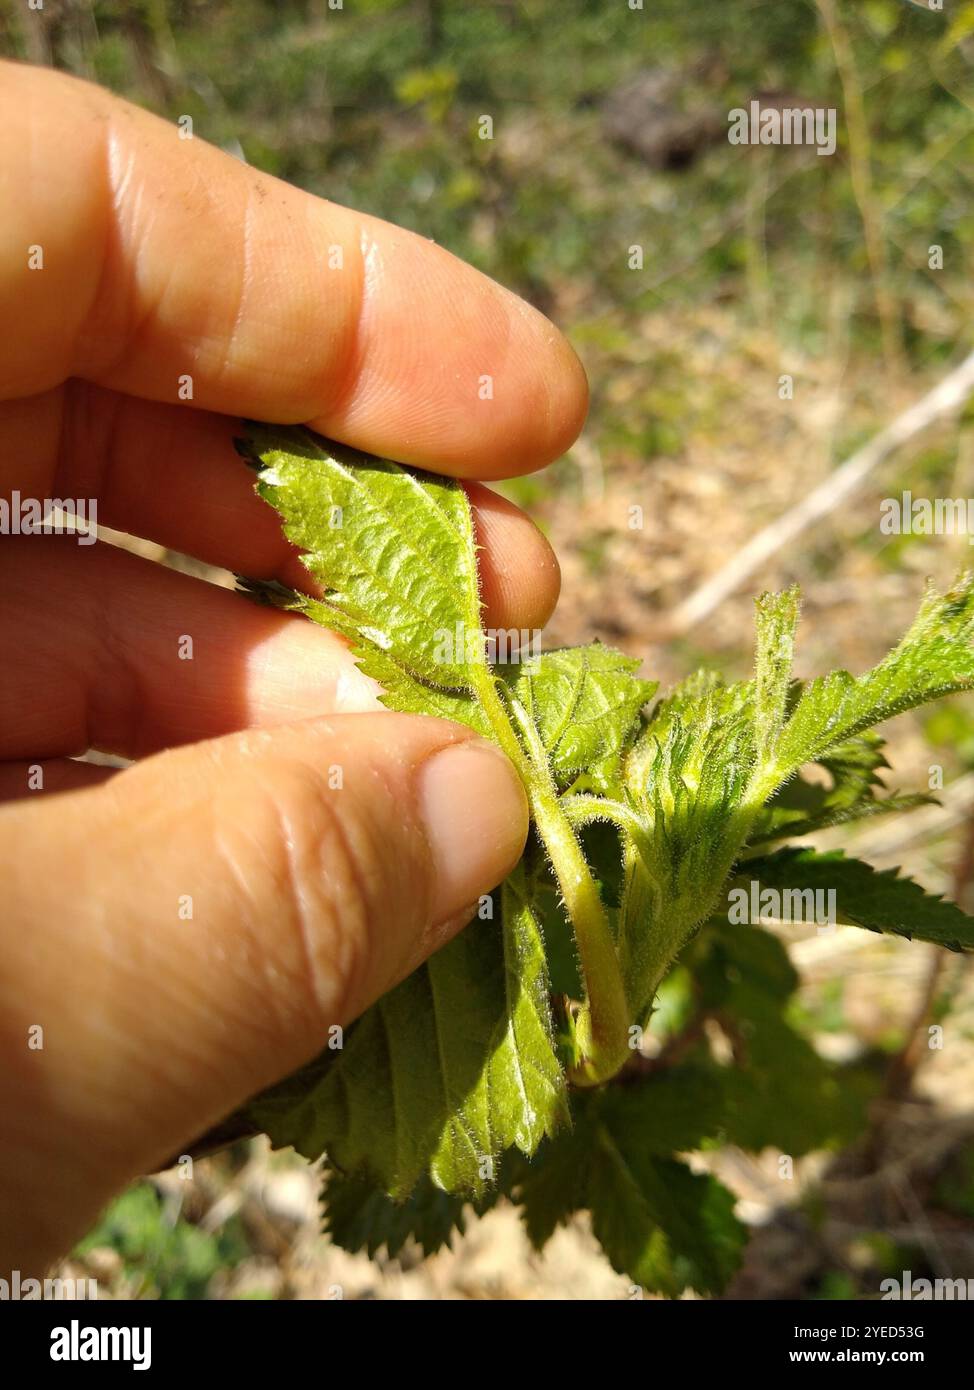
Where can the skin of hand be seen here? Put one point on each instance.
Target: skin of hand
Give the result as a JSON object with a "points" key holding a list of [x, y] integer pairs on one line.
{"points": [[163, 259]]}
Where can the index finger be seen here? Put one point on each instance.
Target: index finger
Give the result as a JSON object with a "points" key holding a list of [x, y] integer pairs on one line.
{"points": [[160, 266]]}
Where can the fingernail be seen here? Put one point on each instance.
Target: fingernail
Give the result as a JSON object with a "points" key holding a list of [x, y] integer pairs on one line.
{"points": [[476, 817]]}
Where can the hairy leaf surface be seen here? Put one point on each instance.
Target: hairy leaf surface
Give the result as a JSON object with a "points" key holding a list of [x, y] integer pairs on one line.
{"points": [[584, 702], [934, 658], [392, 549], [445, 1072]]}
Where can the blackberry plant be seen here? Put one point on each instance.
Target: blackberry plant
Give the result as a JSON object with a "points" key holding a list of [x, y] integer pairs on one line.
{"points": [[511, 1061]]}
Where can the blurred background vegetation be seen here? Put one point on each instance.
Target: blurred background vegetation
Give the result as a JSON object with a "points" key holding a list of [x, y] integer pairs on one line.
{"points": [[376, 103], [692, 276]]}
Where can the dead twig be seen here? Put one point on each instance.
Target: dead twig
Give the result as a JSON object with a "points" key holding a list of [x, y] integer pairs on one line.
{"points": [[942, 401]]}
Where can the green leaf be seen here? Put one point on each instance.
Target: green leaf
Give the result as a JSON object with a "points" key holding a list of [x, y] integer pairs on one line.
{"points": [[445, 1072], [408, 694], [866, 897], [934, 658], [560, 950], [855, 768], [784, 1095], [790, 826], [402, 689], [669, 1229], [681, 1107], [712, 755], [801, 807], [584, 703], [392, 549], [556, 1185], [526, 1083], [776, 618], [360, 1216], [779, 1091]]}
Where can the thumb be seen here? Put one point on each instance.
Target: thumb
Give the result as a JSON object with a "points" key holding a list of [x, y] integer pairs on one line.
{"points": [[187, 932]]}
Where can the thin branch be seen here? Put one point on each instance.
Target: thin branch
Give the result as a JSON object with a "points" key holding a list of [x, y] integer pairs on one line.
{"points": [[947, 397]]}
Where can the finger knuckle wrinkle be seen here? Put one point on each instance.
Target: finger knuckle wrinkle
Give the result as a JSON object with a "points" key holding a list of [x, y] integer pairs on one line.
{"points": [[325, 864]]}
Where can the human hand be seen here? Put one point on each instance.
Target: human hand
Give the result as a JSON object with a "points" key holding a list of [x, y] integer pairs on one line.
{"points": [[165, 262]]}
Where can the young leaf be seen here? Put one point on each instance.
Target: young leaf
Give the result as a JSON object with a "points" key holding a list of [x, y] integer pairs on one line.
{"points": [[866, 897], [801, 807], [584, 702], [712, 755], [934, 658], [686, 778], [392, 549], [776, 618], [698, 710]]}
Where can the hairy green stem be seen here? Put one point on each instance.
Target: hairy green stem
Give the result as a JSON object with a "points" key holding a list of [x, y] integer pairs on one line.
{"points": [[602, 1026], [582, 809]]}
